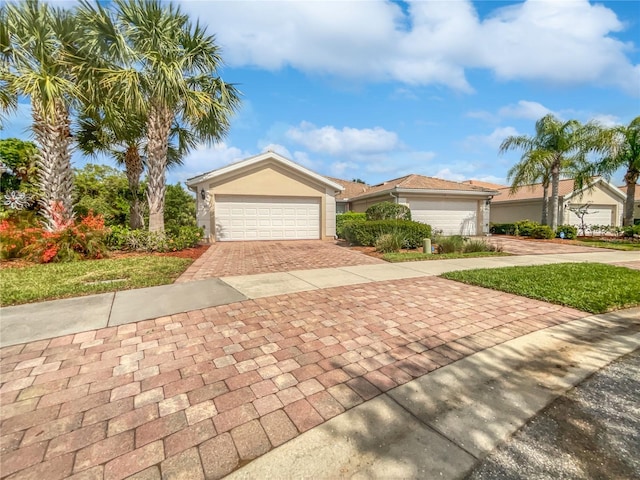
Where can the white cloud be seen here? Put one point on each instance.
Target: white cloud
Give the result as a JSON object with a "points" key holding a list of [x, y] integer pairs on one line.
{"points": [[346, 141], [492, 140], [525, 109], [433, 42], [206, 158], [606, 120]]}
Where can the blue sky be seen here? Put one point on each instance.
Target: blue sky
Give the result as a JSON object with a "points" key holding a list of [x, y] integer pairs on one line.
{"points": [[379, 89]]}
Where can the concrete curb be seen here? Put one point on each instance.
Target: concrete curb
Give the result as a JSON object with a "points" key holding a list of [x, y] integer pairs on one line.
{"points": [[442, 424]]}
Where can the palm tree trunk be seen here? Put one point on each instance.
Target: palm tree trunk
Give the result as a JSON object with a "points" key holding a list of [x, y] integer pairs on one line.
{"points": [[158, 126], [55, 177], [555, 185], [630, 178], [545, 203], [133, 169]]}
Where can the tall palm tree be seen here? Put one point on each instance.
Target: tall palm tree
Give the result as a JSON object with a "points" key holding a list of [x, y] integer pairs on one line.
{"points": [[616, 147], [165, 68], [529, 170], [8, 100], [556, 144], [34, 45]]}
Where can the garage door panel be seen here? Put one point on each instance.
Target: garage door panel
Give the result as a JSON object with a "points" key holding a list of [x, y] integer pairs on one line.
{"points": [[266, 218], [596, 216], [453, 217]]}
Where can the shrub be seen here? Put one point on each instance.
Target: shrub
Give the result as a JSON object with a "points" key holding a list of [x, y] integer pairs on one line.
{"points": [[472, 246], [187, 237], [77, 240], [450, 244], [366, 233], [502, 228], [18, 230], [631, 231], [525, 227], [342, 218], [570, 232], [542, 231], [388, 211], [390, 242], [124, 238]]}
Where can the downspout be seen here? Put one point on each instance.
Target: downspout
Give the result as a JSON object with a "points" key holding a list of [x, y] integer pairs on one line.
{"points": [[395, 197]]}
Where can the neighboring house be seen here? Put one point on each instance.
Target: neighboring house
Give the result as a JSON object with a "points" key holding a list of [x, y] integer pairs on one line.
{"points": [[636, 202], [265, 197], [606, 203], [489, 185], [268, 197], [454, 208]]}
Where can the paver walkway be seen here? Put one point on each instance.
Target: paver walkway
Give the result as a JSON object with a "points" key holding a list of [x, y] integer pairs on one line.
{"points": [[520, 246], [195, 395], [246, 258]]}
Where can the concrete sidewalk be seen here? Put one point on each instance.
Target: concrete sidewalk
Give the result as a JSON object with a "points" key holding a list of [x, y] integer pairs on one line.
{"points": [[24, 323], [444, 423]]}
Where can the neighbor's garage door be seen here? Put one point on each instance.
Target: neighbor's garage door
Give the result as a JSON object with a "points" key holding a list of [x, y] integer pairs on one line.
{"points": [[266, 218], [595, 216], [453, 217]]}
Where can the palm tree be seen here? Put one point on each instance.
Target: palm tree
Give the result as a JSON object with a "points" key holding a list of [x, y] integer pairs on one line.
{"points": [[531, 169], [557, 145], [617, 147], [8, 101], [34, 46], [165, 67]]}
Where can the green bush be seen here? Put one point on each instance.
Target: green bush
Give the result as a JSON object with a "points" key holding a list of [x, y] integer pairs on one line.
{"points": [[342, 218], [542, 231], [502, 228], [631, 231], [450, 244], [366, 233], [389, 242], [472, 246], [524, 228], [570, 232], [187, 237], [388, 211], [124, 238]]}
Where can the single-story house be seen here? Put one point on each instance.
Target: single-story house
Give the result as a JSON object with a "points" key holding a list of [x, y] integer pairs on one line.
{"points": [[605, 201], [269, 197], [636, 201], [454, 208], [265, 197]]}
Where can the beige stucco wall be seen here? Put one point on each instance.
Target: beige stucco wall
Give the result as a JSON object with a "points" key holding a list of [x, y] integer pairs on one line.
{"points": [[600, 196], [514, 212], [266, 179]]}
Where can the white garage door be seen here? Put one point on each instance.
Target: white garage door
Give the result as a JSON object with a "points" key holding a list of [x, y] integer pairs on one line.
{"points": [[595, 216], [266, 218], [453, 217]]}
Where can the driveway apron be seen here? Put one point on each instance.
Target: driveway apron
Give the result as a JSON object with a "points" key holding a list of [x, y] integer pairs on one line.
{"points": [[197, 395]]}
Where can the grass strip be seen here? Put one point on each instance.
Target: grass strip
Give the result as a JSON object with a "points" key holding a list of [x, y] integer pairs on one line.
{"points": [[612, 245], [417, 256], [61, 280], [590, 287]]}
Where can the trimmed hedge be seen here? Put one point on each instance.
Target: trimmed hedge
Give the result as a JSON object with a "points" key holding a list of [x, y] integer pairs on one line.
{"points": [[570, 232], [542, 231], [388, 211], [366, 233], [341, 218]]}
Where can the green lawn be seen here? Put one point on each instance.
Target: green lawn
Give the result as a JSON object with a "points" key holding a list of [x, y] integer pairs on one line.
{"points": [[416, 256], [612, 244], [591, 287], [59, 280]]}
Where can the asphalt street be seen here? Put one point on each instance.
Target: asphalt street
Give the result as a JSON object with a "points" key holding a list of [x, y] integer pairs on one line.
{"points": [[592, 432]]}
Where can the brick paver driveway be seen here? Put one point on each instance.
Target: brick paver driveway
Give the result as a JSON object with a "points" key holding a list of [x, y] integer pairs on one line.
{"points": [[198, 394], [520, 246], [246, 258]]}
